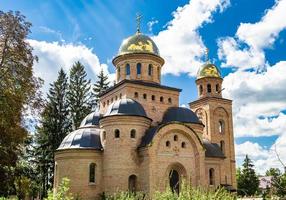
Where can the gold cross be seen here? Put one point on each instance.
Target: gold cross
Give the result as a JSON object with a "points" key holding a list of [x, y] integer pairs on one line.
{"points": [[138, 20]]}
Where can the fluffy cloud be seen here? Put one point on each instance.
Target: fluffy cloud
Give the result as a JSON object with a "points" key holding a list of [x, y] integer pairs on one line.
{"points": [[180, 44], [55, 55], [256, 36]]}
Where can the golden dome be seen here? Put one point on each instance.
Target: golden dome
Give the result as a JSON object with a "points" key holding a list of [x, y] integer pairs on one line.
{"points": [[138, 43], [208, 70]]}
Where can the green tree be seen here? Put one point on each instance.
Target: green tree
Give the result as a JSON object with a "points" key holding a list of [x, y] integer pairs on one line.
{"points": [[100, 86], [79, 94], [247, 180], [278, 181], [19, 91], [55, 124]]}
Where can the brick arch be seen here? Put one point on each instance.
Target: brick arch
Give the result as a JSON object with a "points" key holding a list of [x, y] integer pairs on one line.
{"points": [[201, 112], [221, 113]]}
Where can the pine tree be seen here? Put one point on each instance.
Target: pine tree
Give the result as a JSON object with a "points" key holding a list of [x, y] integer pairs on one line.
{"points": [[55, 125], [79, 94], [100, 86], [247, 180]]}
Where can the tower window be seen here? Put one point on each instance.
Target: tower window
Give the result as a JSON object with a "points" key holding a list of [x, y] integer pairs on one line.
{"points": [[161, 99], [107, 102], [217, 87], [118, 73], [175, 138], [153, 97], [127, 69], [136, 94], [209, 88], [169, 100], [201, 89], [158, 73], [117, 133], [183, 145], [221, 126], [144, 96], [222, 146], [150, 69], [211, 176], [133, 133], [168, 144], [116, 98], [104, 135], [92, 173], [138, 68]]}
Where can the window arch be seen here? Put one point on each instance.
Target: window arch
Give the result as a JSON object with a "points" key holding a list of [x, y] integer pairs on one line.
{"points": [[136, 94], [144, 96], [162, 99], [117, 133], [92, 167], [222, 146], [175, 138], [104, 135], [221, 126], [217, 87], [209, 87], [153, 97], [138, 67], [211, 176], [169, 100], [127, 68], [168, 144], [132, 182], [150, 69], [201, 89], [133, 133], [183, 145]]}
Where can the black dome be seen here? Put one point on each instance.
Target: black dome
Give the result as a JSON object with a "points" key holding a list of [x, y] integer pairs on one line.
{"points": [[84, 138], [91, 119], [125, 107], [180, 114]]}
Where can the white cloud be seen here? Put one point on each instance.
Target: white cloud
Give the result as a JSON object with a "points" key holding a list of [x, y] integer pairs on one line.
{"points": [[150, 24], [54, 55], [180, 44], [256, 36]]}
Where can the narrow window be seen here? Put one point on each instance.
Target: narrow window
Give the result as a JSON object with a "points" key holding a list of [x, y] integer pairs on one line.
{"points": [[183, 145], [209, 88], [175, 138], [104, 135], [168, 144], [133, 133], [92, 173], [169, 100], [138, 69], [162, 99], [158, 73], [136, 94], [120, 96], [153, 97], [144, 96], [217, 87], [117, 133], [201, 89], [116, 98], [150, 69], [107, 102], [127, 69], [118, 73], [211, 176], [103, 104], [111, 99], [222, 146], [132, 182], [221, 126]]}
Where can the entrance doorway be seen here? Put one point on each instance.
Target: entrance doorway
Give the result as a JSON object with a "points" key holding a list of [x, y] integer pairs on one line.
{"points": [[174, 181]]}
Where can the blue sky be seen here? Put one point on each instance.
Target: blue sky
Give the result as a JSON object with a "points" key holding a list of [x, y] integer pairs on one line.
{"points": [[246, 40]]}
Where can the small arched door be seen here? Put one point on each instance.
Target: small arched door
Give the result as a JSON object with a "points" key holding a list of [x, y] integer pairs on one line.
{"points": [[132, 183], [174, 181]]}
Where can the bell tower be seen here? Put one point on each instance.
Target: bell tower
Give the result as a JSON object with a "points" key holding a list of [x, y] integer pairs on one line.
{"points": [[215, 112]]}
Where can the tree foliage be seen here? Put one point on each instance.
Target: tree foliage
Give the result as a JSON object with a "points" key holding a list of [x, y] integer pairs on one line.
{"points": [[247, 180], [100, 86], [79, 94], [18, 92]]}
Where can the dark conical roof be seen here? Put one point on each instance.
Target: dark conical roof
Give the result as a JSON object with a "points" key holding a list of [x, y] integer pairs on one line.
{"points": [[180, 114]]}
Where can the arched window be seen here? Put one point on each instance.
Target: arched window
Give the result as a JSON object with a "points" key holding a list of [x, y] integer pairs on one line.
{"points": [[144, 96], [150, 69], [111, 99], [92, 172], [132, 181], [201, 89], [116, 98], [222, 146], [211, 176], [168, 144], [127, 69], [162, 99], [169, 100], [120, 96], [158, 73], [209, 88], [107, 102], [217, 87], [221, 126], [153, 97], [136, 94], [175, 138], [183, 145], [103, 104], [104, 135], [118, 73], [138, 67], [117, 133], [133, 133]]}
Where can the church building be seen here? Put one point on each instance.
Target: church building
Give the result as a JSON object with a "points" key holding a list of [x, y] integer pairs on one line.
{"points": [[140, 139]]}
